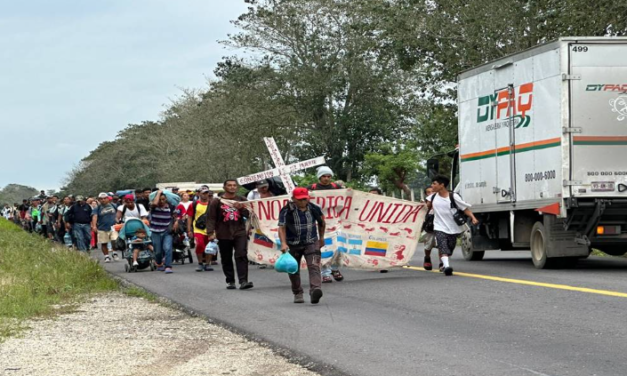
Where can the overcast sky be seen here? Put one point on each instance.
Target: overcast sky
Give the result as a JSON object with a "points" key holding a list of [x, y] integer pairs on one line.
{"points": [[75, 72]]}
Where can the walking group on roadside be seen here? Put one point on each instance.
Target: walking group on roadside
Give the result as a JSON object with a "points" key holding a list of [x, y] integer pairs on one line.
{"points": [[218, 227]]}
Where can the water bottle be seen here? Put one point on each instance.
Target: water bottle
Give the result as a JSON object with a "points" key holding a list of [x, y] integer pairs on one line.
{"points": [[186, 241], [212, 248], [67, 239]]}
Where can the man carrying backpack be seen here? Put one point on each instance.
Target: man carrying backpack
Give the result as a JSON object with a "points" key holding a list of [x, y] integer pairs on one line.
{"points": [[325, 175], [301, 229], [197, 228], [448, 222]]}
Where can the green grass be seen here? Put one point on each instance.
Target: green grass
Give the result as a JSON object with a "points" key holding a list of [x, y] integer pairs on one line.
{"points": [[38, 278], [141, 293]]}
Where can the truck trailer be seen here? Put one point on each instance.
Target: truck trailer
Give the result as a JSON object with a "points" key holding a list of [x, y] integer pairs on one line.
{"points": [[542, 152]]}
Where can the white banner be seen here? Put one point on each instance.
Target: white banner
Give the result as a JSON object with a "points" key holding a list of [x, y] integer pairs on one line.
{"points": [[363, 230]]}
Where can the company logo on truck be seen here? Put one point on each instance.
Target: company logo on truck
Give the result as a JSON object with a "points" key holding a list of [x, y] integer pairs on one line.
{"points": [[502, 105], [621, 88]]}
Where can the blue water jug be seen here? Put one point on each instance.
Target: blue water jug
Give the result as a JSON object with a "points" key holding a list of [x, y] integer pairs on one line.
{"points": [[212, 248], [67, 239]]}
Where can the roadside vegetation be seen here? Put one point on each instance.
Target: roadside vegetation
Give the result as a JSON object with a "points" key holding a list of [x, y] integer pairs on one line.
{"points": [[38, 278]]}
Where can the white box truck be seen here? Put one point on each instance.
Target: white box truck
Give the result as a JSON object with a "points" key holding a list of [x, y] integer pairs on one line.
{"points": [[543, 151]]}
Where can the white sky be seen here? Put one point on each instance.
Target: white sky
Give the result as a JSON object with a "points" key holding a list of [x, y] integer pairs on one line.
{"points": [[74, 72]]}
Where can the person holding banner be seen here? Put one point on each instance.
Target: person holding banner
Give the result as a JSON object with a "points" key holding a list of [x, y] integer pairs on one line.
{"points": [[301, 230], [325, 174], [447, 230]]}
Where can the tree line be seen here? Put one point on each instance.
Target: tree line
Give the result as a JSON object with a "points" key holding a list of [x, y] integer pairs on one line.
{"points": [[370, 84]]}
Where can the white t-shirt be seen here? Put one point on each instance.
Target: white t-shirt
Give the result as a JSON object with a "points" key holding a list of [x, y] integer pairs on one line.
{"points": [[444, 221], [253, 195], [133, 213], [186, 205]]}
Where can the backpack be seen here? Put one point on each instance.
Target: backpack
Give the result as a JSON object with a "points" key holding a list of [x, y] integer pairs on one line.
{"points": [[290, 211], [201, 222], [314, 186], [458, 216]]}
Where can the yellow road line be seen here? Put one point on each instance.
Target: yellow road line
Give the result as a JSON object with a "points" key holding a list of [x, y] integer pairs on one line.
{"points": [[532, 283]]}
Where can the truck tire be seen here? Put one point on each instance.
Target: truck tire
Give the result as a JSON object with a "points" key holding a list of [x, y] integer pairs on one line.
{"points": [[469, 253], [540, 242]]}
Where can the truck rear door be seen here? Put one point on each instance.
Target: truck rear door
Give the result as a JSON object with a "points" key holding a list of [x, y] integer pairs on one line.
{"points": [[598, 118]]}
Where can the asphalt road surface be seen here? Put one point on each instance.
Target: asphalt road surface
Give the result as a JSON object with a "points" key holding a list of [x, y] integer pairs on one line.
{"points": [[520, 321]]}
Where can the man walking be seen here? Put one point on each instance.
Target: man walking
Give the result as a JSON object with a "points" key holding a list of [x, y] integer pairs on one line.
{"points": [[446, 229], [162, 223], [301, 229], [195, 211], [325, 175], [103, 218], [130, 210], [78, 220], [227, 223]]}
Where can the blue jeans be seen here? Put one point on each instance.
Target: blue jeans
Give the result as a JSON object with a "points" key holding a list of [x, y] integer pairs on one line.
{"points": [[82, 232], [162, 242]]}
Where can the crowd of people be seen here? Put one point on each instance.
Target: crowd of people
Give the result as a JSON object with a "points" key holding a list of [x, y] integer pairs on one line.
{"points": [[208, 221]]}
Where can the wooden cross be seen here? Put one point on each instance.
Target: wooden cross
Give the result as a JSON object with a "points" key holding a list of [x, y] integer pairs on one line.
{"points": [[282, 170]]}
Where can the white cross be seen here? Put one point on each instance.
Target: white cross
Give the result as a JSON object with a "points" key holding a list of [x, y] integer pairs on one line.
{"points": [[282, 170]]}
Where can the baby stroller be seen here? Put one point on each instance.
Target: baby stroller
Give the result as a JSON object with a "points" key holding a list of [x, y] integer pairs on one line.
{"points": [[145, 259], [182, 249]]}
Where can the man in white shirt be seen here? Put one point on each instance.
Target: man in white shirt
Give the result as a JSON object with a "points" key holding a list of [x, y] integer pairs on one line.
{"points": [[446, 229]]}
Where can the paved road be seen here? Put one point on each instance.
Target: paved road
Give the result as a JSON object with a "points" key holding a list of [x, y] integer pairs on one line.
{"points": [[412, 322]]}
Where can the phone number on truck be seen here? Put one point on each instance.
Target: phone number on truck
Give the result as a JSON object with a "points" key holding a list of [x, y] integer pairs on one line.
{"points": [[540, 176]]}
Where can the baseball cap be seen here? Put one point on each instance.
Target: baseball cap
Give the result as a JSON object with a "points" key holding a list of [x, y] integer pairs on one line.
{"points": [[206, 190], [300, 193], [80, 198], [263, 183], [103, 195]]}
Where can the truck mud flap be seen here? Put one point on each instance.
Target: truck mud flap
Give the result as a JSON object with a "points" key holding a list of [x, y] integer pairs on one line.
{"points": [[562, 243]]}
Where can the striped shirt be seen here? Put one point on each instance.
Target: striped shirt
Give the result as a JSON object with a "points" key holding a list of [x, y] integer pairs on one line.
{"points": [[160, 219]]}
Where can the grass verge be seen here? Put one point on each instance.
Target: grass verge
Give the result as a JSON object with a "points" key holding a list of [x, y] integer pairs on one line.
{"points": [[38, 278]]}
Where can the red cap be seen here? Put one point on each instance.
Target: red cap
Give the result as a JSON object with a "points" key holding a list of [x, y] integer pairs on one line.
{"points": [[129, 197], [300, 193]]}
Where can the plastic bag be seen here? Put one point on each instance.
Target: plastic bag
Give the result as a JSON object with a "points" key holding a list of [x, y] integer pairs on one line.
{"points": [[212, 248], [286, 263]]}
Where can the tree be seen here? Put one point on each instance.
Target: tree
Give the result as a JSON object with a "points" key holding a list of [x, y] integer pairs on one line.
{"points": [[393, 166], [15, 193]]}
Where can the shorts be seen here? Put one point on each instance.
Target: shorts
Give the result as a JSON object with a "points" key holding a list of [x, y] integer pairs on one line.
{"points": [[446, 242], [429, 240], [105, 237], [201, 243]]}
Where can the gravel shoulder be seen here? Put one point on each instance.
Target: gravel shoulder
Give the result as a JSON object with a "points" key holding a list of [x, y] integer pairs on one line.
{"points": [[114, 334]]}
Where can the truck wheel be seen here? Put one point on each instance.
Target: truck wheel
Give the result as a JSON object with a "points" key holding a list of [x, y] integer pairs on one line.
{"points": [[539, 244], [468, 252]]}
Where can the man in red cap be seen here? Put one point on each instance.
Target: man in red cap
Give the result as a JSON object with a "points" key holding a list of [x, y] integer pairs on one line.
{"points": [[301, 229]]}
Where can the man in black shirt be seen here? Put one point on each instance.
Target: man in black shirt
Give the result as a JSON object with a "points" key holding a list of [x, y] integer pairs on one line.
{"points": [[78, 220], [325, 175]]}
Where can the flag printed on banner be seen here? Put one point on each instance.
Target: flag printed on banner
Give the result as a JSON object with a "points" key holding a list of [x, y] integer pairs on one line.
{"points": [[374, 248], [353, 246], [263, 240]]}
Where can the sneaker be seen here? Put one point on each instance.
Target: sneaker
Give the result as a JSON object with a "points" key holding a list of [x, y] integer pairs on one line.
{"points": [[427, 264], [315, 296], [135, 263], [115, 256], [448, 271], [327, 279], [208, 268], [161, 268], [107, 259], [337, 275], [441, 268], [246, 286], [230, 286], [168, 270], [200, 268], [214, 262], [298, 298]]}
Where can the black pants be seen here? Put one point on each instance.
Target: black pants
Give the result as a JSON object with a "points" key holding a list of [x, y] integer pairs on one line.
{"points": [[227, 248]]}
